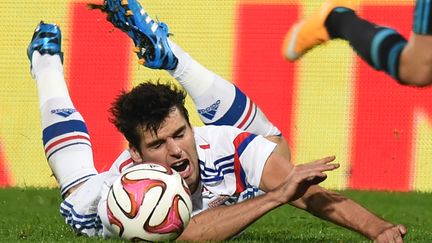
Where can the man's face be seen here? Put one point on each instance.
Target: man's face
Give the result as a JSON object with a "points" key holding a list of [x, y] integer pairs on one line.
{"points": [[174, 144]]}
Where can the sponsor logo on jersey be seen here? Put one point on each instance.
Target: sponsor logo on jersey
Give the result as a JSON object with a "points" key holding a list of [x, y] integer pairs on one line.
{"points": [[210, 111], [64, 112]]}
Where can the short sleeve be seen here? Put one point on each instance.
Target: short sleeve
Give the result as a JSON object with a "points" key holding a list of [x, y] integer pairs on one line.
{"points": [[251, 154]]}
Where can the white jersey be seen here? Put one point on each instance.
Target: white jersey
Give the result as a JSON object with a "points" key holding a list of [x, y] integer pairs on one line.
{"points": [[231, 162]]}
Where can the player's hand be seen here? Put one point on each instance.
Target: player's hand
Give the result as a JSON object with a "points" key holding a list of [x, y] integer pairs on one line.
{"points": [[303, 176], [394, 234]]}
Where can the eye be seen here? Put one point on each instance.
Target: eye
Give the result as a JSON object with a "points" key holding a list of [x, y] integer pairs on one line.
{"points": [[156, 145], [180, 135]]}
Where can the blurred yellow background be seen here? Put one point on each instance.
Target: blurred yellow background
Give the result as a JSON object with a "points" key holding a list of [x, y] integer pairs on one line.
{"points": [[322, 113]]}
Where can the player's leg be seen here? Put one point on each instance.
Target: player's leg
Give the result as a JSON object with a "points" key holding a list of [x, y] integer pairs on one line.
{"points": [[218, 101], [416, 58], [65, 137], [379, 46], [382, 47], [310, 32]]}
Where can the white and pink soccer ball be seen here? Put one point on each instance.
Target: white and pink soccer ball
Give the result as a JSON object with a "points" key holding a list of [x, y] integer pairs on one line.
{"points": [[149, 202]]}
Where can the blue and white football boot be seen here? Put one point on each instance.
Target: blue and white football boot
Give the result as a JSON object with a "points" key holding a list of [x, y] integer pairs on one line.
{"points": [[46, 40], [150, 37]]}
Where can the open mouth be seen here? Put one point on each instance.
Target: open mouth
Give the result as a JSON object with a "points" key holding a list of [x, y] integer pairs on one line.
{"points": [[180, 166]]}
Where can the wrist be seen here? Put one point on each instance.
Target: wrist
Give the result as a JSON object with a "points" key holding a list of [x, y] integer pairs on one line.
{"points": [[376, 231], [275, 198]]}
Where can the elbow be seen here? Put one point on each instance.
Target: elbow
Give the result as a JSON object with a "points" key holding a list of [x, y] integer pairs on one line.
{"points": [[309, 200], [320, 202]]}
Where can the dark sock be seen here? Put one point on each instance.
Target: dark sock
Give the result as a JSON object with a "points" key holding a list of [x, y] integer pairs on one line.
{"points": [[379, 46], [422, 23]]}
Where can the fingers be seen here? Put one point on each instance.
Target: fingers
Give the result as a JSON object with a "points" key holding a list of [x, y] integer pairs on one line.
{"points": [[393, 234], [402, 229], [325, 160], [330, 167], [320, 165], [313, 172], [302, 176], [397, 237]]}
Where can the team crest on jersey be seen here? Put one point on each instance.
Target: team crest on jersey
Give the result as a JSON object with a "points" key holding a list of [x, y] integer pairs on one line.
{"points": [[210, 111], [64, 112]]}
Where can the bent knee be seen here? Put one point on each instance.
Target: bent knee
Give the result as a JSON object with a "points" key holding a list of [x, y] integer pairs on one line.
{"points": [[420, 76], [72, 189], [415, 67]]}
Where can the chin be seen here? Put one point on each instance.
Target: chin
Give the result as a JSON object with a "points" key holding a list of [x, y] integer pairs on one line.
{"points": [[192, 187]]}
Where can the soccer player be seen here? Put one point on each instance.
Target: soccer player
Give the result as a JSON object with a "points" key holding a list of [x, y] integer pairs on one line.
{"points": [[246, 172], [204, 87], [383, 48]]}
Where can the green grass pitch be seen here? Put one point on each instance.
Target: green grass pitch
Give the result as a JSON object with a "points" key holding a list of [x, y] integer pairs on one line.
{"points": [[32, 215]]}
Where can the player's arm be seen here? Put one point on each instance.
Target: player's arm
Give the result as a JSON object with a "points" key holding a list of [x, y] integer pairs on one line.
{"points": [[331, 206], [340, 210], [225, 222]]}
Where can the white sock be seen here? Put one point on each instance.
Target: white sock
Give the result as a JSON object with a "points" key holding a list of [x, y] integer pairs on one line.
{"points": [[194, 78], [218, 101], [67, 143], [47, 70], [65, 137]]}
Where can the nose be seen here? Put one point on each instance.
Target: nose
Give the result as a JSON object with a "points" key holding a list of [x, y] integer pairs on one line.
{"points": [[173, 149]]}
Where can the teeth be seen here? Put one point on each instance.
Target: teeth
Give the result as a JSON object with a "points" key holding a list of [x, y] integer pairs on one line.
{"points": [[124, 2], [129, 13], [178, 164], [141, 61]]}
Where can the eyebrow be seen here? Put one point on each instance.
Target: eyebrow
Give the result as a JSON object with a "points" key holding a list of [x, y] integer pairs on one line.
{"points": [[160, 140]]}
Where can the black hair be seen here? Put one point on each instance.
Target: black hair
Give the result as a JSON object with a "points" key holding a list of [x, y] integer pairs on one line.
{"points": [[145, 107]]}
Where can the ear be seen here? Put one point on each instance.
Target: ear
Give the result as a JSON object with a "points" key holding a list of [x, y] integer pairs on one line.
{"points": [[135, 154]]}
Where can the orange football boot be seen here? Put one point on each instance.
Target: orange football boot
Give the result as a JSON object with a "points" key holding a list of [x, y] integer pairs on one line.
{"points": [[310, 32]]}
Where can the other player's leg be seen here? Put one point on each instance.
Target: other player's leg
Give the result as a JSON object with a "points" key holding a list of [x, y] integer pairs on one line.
{"points": [[65, 137], [416, 59], [381, 47], [310, 32]]}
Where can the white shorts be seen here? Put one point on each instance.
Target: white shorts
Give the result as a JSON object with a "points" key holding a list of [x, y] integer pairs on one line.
{"points": [[82, 209]]}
